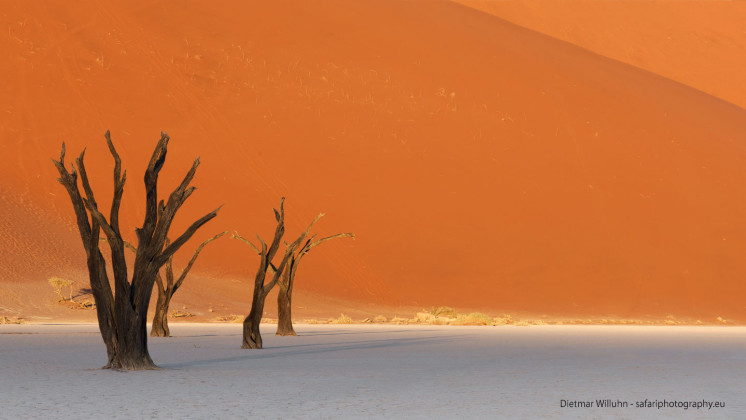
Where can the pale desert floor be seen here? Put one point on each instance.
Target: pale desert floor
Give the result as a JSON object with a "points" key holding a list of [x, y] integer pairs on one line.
{"points": [[376, 371]]}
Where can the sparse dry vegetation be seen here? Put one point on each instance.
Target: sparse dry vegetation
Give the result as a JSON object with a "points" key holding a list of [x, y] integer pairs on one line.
{"points": [[181, 314], [474, 318], [449, 316], [11, 320], [59, 283], [231, 318], [343, 319]]}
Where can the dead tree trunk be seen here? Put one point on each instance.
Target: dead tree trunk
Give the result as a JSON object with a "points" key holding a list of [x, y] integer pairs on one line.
{"points": [[285, 294], [160, 316], [166, 291], [285, 304], [122, 312], [252, 338]]}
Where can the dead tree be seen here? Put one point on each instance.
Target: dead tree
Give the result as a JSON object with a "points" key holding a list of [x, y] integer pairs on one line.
{"points": [[252, 339], [122, 312], [166, 291], [285, 293]]}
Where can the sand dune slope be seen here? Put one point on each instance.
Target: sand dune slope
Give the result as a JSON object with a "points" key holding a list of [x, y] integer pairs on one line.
{"points": [[698, 43], [480, 164]]}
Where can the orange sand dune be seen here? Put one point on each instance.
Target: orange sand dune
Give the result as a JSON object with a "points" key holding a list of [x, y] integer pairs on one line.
{"points": [[480, 164], [700, 43]]}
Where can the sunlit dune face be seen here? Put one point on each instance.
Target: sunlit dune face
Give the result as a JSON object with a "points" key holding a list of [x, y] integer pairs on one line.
{"points": [[697, 43], [478, 163]]}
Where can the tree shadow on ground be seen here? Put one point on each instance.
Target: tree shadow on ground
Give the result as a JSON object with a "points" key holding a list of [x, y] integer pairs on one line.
{"points": [[343, 332], [316, 348], [302, 333]]}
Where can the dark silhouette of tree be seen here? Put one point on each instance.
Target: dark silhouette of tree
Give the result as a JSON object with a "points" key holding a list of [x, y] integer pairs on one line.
{"points": [[166, 290], [285, 293], [252, 338], [122, 312]]}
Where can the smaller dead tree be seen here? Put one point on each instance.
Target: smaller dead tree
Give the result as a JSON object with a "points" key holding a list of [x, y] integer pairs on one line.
{"points": [[252, 339], [166, 291], [285, 294]]}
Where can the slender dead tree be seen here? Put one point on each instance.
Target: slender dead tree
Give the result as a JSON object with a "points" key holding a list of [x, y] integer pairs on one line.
{"points": [[252, 339], [166, 290], [122, 312], [285, 293]]}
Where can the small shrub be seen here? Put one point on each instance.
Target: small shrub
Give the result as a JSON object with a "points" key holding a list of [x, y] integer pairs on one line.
{"points": [[58, 283], [399, 321], [230, 318], [86, 304], [181, 314], [474, 318], [423, 318], [444, 311], [504, 320], [379, 319], [343, 319], [12, 320]]}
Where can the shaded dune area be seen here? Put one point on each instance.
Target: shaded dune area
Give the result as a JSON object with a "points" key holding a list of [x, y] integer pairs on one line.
{"points": [[480, 164]]}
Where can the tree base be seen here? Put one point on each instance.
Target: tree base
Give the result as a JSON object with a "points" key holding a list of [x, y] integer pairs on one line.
{"points": [[131, 365]]}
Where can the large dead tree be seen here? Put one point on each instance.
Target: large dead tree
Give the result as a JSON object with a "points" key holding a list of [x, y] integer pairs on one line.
{"points": [[285, 293], [122, 312], [252, 339]]}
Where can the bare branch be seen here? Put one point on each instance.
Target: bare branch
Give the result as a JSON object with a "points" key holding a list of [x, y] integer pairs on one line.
{"points": [[278, 271], [145, 234], [119, 181], [238, 236], [84, 179], [194, 258], [181, 240], [279, 232], [176, 199], [322, 240]]}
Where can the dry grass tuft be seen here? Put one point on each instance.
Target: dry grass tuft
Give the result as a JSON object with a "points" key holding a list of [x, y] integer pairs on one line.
{"points": [[380, 319], [444, 311], [85, 304], [474, 318], [230, 318], [12, 320], [343, 319], [181, 314]]}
